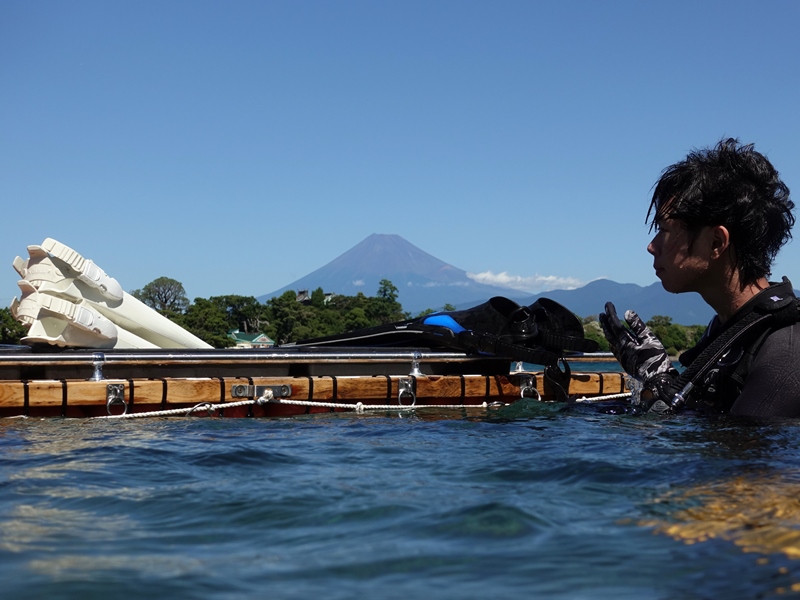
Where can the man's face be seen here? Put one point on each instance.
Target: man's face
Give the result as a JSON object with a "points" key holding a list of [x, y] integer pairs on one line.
{"points": [[680, 268]]}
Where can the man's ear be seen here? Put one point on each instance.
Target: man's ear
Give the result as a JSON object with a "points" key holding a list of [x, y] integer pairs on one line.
{"points": [[720, 240]]}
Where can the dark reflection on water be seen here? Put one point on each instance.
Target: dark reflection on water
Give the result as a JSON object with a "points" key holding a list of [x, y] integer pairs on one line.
{"points": [[539, 501]]}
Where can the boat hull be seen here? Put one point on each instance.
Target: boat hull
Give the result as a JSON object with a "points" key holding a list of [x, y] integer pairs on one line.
{"points": [[80, 384]]}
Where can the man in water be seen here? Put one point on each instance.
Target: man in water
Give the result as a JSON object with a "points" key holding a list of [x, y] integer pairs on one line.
{"points": [[721, 215]]}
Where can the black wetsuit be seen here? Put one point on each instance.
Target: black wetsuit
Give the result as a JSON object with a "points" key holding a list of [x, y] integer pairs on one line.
{"points": [[765, 382]]}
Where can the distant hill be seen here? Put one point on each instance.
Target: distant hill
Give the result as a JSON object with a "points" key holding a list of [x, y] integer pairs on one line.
{"points": [[685, 309], [423, 281]]}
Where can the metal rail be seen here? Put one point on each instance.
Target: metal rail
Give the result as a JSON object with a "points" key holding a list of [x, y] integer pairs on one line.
{"points": [[211, 357]]}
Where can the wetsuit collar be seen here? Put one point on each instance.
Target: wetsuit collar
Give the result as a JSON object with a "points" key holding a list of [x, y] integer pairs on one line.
{"points": [[766, 301]]}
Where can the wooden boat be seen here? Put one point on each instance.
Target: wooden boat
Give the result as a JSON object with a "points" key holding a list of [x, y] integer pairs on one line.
{"points": [[141, 363], [268, 382]]}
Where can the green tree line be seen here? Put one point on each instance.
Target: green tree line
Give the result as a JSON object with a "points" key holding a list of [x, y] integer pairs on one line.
{"points": [[285, 319], [11, 330]]}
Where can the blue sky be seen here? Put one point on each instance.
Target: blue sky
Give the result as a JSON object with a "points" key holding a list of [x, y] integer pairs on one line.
{"points": [[237, 146]]}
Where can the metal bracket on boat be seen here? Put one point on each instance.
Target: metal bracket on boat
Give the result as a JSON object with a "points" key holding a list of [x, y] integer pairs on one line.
{"points": [[98, 360], [415, 371], [407, 389], [257, 391], [527, 387], [115, 394]]}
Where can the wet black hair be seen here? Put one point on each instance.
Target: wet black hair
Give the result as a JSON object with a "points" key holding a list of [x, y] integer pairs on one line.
{"points": [[731, 185]]}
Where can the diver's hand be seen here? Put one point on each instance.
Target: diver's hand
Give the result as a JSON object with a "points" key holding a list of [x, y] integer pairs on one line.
{"points": [[637, 349]]}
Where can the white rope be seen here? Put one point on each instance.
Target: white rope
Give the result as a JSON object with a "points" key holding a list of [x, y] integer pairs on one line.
{"points": [[180, 411], [601, 398], [359, 407]]}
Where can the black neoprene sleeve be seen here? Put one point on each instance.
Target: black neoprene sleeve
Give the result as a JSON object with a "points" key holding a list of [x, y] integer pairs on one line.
{"points": [[772, 388]]}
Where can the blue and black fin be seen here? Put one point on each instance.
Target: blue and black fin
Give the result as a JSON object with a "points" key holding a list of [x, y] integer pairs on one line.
{"points": [[538, 334]]}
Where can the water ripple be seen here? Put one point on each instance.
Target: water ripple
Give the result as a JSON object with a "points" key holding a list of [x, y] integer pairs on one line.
{"points": [[543, 502]]}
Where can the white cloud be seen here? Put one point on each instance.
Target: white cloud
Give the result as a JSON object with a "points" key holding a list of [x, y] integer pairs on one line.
{"points": [[358, 283], [533, 283], [431, 284]]}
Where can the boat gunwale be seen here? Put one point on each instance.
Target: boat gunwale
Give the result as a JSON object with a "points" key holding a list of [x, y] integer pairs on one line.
{"points": [[179, 357]]}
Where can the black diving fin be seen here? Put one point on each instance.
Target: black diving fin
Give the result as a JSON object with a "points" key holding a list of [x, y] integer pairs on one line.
{"points": [[559, 327], [537, 334]]}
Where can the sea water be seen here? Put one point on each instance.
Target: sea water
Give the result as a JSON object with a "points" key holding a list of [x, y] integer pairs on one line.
{"points": [[533, 500]]}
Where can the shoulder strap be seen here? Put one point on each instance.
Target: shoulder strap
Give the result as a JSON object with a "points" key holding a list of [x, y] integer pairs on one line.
{"points": [[754, 323]]}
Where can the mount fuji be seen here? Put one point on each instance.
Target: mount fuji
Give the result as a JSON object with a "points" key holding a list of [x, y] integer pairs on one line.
{"points": [[423, 281]]}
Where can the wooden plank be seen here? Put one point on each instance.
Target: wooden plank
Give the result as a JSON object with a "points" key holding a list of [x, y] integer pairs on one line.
{"points": [[12, 394], [452, 389], [365, 388], [154, 394], [597, 383], [52, 393]]}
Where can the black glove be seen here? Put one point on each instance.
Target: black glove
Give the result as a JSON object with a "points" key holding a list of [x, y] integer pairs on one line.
{"points": [[659, 395], [639, 352]]}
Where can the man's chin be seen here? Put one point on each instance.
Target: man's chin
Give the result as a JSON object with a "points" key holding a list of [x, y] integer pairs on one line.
{"points": [[670, 287], [664, 284]]}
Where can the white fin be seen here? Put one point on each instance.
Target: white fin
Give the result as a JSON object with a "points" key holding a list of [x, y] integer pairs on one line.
{"points": [[68, 300], [88, 272]]}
